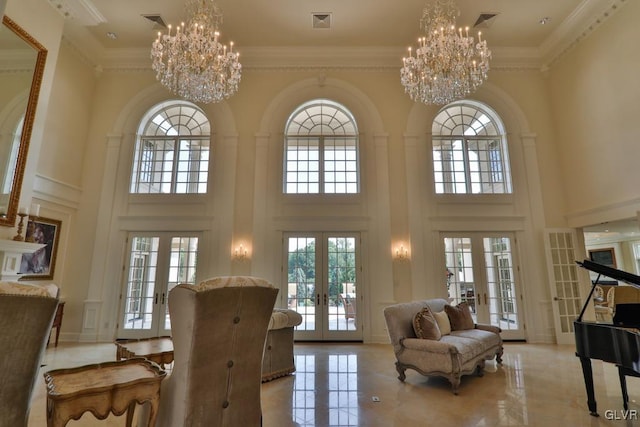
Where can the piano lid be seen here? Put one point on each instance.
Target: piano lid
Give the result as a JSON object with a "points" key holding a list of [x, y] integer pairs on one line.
{"points": [[611, 272]]}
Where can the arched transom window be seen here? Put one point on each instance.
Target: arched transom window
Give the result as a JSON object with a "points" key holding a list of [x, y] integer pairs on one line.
{"points": [[172, 152], [321, 150], [469, 151]]}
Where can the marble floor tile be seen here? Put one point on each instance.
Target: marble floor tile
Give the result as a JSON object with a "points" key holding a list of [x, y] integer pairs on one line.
{"points": [[356, 385]]}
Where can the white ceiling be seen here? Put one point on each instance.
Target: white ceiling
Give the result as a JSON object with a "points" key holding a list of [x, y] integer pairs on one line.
{"points": [[254, 25], [613, 231]]}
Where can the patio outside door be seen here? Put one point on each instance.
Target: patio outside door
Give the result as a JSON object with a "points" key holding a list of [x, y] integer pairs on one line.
{"points": [[480, 270], [156, 263], [322, 271]]}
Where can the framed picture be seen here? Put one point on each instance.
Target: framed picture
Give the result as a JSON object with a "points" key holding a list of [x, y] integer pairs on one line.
{"points": [[604, 256], [41, 264]]}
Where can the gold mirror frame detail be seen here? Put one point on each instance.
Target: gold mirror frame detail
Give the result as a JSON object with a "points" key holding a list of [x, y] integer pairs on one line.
{"points": [[9, 219]]}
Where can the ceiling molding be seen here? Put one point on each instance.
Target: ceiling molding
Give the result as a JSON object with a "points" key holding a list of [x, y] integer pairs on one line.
{"points": [[295, 58], [82, 11], [585, 19]]}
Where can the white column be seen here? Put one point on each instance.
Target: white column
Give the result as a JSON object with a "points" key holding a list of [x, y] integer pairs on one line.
{"points": [[98, 291]]}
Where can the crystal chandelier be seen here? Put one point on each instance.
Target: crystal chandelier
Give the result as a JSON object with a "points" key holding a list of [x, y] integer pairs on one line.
{"points": [[192, 63], [448, 64]]}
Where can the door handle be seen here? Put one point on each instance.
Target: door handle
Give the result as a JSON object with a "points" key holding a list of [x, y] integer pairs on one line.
{"points": [[325, 299], [558, 299], [317, 299], [485, 299], [163, 298], [156, 299]]}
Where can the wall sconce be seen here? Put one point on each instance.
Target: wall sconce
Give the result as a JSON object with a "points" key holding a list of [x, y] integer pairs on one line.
{"points": [[401, 253], [240, 253]]}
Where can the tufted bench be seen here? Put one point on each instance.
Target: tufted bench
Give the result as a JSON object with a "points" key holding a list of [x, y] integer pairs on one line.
{"points": [[277, 360]]}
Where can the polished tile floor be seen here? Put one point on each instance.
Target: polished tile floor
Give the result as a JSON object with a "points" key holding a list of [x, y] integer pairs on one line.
{"points": [[357, 385]]}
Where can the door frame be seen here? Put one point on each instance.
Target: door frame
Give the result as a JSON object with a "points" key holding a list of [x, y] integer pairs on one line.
{"points": [[322, 303], [480, 277], [564, 275], [160, 297]]}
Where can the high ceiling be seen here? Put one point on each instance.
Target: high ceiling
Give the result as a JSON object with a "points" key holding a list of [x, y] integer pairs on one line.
{"points": [[254, 25]]}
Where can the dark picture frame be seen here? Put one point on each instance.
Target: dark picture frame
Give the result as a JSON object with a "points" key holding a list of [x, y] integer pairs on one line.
{"points": [[604, 256], [41, 264]]}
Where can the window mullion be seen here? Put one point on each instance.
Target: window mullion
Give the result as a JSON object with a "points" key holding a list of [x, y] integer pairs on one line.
{"points": [[174, 172], [321, 168], [467, 165]]}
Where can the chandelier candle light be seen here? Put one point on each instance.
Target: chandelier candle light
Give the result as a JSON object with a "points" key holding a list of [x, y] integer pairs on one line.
{"points": [[191, 62], [448, 64]]}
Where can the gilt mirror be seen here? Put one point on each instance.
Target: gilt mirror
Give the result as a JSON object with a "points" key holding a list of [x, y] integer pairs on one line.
{"points": [[22, 61]]}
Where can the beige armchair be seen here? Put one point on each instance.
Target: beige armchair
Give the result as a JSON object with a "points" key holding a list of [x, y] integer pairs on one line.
{"points": [[26, 314], [219, 328]]}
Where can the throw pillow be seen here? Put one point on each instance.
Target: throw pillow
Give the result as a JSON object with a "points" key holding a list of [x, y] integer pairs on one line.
{"points": [[460, 316], [425, 325], [443, 322]]}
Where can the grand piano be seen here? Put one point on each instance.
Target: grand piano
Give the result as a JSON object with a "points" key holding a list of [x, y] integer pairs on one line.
{"points": [[617, 342]]}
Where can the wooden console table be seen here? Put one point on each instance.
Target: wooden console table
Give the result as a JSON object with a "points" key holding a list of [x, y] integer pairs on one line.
{"points": [[158, 350], [102, 388]]}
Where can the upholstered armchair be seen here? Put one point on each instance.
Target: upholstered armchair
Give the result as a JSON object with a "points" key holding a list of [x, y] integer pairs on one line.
{"points": [[219, 328], [26, 314]]}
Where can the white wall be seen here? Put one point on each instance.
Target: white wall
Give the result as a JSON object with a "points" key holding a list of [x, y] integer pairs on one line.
{"points": [[90, 119]]}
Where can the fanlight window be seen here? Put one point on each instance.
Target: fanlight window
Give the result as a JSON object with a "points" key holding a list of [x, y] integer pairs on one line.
{"points": [[321, 150], [172, 152], [469, 151]]}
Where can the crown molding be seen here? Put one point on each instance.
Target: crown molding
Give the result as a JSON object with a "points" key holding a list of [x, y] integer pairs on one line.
{"points": [[293, 58], [81, 11], [584, 20]]}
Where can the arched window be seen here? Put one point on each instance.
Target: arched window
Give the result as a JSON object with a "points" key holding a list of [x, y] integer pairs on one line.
{"points": [[172, 151], [321, 150], [469, 151]]}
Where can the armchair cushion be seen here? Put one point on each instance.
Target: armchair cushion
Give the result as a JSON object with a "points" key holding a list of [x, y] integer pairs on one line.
{"points": [[460, 316], [425, 325]]}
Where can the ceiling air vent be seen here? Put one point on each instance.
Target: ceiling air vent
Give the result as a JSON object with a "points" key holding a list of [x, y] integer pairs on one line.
{"points": [[485, 20], [157, 20], [321, 20]]}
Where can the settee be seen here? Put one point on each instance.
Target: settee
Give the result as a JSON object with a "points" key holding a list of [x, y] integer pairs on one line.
{"points": [[277, 360], [451, 353]]}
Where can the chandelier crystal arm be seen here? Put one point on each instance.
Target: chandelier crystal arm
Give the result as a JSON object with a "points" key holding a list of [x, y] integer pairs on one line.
{"points": [[448, 64]]}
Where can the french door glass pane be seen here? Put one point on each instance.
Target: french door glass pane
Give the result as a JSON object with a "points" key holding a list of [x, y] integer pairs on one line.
{"points": [[341, 274], [141, 283], [301, 254], [500, 280], [459, 271], [182, 267]]}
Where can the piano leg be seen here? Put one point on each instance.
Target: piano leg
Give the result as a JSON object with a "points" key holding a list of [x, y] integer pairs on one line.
{"points": [[623, 387], [588, 382]]}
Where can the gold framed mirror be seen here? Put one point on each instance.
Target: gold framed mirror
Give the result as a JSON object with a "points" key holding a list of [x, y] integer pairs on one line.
{"points": [[22, 60]]}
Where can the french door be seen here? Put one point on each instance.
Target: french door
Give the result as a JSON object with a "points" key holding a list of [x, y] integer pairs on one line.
{"points": [[156, 263], [564, 281], [481, 270], [322, 284]]}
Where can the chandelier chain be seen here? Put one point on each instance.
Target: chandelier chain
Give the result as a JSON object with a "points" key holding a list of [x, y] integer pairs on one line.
{"points": [[191, 62], [448, 63]]}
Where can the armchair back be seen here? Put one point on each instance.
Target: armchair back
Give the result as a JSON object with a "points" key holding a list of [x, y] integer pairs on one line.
{"points": [[25, 323], [219, 328]]}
